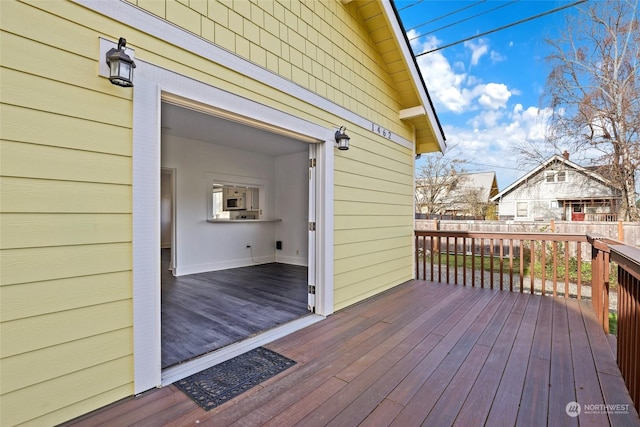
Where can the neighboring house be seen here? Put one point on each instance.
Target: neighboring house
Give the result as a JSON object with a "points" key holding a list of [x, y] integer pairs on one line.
{"points": [[458, 194], [562, 190], [247, 93]]}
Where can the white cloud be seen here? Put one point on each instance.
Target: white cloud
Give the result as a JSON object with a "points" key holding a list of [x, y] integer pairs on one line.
{"points": [[494, 96], [443, 82], [450, 86], [487, 140], [496, 57], [478, 49]]}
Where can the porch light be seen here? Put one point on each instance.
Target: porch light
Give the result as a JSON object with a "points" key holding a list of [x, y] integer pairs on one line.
{"points": [[120, 65], [342, 139]]}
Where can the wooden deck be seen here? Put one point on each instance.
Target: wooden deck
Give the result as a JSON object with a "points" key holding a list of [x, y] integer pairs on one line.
{"points": [[422, 354]]}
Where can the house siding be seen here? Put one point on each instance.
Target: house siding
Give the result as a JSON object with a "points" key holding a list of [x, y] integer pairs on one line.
{"points": [[539, 194], [66, 181], [65, 220]]}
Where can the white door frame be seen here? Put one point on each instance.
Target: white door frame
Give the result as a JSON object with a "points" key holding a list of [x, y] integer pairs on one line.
{"points": [[172, 174], [151, 82]]}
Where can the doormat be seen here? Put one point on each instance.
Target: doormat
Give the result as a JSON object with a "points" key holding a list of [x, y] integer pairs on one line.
{"points": [[214, 386]]}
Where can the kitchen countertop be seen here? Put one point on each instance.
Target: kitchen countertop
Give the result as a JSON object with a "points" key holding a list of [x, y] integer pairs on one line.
{"points": [[227, 221]]}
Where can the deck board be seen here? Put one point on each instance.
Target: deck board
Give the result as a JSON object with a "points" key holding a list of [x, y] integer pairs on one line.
{"points": [[536, 390], [562, 389], [421, 353]]}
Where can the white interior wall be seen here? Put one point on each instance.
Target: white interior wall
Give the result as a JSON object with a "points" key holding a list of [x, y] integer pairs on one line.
{"points": [[203, 246], [292, 205]]}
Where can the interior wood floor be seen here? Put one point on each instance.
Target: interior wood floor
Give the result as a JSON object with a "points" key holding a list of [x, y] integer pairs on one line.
{"points": [[421, 354], [207, 311]]}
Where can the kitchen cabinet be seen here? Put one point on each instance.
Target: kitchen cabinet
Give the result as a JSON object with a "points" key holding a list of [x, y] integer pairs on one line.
{"points": [[253, 199]]}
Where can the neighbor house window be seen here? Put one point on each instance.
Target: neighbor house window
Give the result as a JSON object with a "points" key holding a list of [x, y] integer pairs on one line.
{"points": [[555, 176], [549, 176], [522, 209], [553, 204]]}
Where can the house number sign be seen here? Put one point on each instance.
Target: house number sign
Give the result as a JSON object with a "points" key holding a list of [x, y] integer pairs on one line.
{"points": [[380, 130]]}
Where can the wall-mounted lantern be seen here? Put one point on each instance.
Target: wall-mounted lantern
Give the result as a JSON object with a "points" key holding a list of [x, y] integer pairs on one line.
{"points": [[120, 65], [342, 139]]}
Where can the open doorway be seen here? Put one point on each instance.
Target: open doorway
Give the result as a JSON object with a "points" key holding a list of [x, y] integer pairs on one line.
{"points": [[236, 275]]}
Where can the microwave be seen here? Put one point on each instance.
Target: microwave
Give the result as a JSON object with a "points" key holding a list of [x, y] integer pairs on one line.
{"points": [[235, 204]]}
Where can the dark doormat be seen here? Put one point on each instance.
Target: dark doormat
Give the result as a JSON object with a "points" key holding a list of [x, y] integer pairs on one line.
{"points": [[214, 386]]}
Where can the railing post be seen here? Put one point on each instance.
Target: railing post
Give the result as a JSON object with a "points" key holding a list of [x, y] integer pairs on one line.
{"points": [[620, 231], [600, 279]]}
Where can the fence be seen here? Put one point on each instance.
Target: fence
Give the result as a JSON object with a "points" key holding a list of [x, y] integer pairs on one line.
{"points": [[626, 232]]}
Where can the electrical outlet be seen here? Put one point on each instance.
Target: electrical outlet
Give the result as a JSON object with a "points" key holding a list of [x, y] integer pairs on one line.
{"points": [[248, 246]]}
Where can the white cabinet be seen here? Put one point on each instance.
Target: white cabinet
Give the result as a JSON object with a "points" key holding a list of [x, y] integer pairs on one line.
{"points": [[253, 199], [234, 192]]}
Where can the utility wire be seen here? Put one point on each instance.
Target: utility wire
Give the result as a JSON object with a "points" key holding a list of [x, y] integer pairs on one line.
{"points": [[502, 28], [466, 19], [493, 166], [409, 5], [448, 14]]}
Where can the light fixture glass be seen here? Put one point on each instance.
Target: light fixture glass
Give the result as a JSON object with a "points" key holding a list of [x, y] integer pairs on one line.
{"points": [[120, 65], [342, 139]]}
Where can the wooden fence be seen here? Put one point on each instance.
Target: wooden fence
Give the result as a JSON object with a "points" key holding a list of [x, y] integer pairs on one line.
{"points": [[626, 232]]}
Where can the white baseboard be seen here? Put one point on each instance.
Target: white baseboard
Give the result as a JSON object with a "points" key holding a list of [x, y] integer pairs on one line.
{"points": [[294, 260], [223, 265]]}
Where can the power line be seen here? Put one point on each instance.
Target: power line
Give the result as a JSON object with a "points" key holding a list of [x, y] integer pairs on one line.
{"points": [[444, 16], [408, 6], [492, 166], [466, 19], [502, 28]]}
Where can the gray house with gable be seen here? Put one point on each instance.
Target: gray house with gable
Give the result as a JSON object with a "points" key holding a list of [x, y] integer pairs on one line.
{"points": [[559, 189]]}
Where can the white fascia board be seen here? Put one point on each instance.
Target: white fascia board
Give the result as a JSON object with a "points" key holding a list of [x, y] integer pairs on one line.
{"points": [[387, 8], [135, 17]]}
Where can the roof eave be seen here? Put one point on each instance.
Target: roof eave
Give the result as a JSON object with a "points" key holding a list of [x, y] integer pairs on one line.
{"points": [[439, 138]]}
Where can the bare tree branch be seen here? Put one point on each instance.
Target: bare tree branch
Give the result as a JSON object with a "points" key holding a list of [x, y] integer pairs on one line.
{"points": [[594, 90]]}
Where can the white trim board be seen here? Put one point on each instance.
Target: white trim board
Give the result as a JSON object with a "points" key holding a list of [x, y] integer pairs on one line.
{"points": [[151, 83], [140, 19]]}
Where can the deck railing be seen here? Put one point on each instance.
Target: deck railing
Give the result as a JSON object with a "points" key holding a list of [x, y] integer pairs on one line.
{"points": [[568, 265], [628, 342], [503, 260]]}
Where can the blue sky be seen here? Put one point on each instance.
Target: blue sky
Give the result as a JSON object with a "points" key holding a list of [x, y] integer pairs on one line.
{"points": [[487, 91]]}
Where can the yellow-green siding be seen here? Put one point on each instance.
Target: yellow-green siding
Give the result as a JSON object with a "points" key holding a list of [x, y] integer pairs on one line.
{"points": [[66, 179], [65, 223]]}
